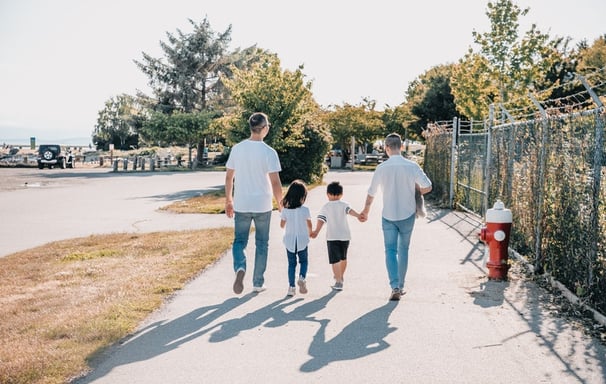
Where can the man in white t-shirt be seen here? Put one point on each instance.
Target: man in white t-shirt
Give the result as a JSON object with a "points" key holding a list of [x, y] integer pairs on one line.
{"points": [[398, 178], [251, 179]]}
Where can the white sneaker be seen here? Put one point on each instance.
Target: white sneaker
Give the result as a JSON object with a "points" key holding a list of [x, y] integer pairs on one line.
{"points": [[258, 289], [302, 285], [337, 286], [291, 291]]}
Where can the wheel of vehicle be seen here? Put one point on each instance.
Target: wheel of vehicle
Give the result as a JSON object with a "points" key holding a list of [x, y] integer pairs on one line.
{"points": [[72, 163], [63, 163], [40, 166], [48, 155]]}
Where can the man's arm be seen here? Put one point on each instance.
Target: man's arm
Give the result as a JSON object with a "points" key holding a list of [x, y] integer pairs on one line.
{"points": [[367, 204], [229, 189], [425, 190], [276, 187]]}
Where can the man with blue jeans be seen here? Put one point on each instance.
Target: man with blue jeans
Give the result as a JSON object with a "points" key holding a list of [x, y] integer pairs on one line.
{"points": [[398, 178], [251, 179]]}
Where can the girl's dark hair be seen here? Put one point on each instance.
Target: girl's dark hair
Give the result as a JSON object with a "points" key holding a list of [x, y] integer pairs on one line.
{"points": [[295, 195]]}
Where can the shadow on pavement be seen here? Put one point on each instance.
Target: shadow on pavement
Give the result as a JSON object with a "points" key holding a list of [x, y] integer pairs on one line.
{"points": [[525, 297], [364, 336], [161, 337]]}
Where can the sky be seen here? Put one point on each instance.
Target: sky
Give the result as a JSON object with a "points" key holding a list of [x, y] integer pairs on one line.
{"points": [[61, 60]]}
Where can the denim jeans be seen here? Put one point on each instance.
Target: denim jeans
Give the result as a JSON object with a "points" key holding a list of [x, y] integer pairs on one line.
{"points": [[396, 238], [292, 265], [242, 223]]}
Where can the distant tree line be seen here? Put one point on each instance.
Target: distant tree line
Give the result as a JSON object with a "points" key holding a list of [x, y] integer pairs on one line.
{"points": [[203, 92]]}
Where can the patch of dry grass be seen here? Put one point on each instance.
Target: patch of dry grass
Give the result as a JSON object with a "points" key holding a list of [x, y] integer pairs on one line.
{"points": [[63, 302], [211, 202]]}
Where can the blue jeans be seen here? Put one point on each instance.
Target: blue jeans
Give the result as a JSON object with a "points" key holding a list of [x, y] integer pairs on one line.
{"points": [[292, 265], [396, 238], [242, 222]]}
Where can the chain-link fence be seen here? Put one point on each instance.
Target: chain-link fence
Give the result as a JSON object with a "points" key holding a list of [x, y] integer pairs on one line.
{"points": [[548, 170]]}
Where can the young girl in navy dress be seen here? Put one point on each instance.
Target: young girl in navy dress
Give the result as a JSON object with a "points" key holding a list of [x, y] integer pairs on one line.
{"points": [[296, 219]]}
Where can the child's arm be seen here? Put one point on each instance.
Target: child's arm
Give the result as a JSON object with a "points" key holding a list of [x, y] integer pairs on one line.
{"points": [[319, 225], [353, 213], [309, 228]]}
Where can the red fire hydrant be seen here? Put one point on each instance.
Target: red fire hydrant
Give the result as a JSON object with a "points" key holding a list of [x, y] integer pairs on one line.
{"points": [[495, 233]]}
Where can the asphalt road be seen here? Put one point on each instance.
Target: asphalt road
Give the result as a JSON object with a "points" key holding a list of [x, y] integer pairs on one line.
{"points": [[39, 206]]}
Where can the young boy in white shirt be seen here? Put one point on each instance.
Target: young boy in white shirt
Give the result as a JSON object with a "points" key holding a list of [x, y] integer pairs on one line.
{"points": [[334, 214]]}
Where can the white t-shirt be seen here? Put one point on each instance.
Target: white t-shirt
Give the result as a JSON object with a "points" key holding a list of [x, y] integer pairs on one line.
{"points": [[296, 235], [334, 215], [397, 178], [252, 162]]}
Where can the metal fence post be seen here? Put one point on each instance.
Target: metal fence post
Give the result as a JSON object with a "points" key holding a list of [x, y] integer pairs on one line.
{"points": [[453, 159], [488, 158], [541, 183], [597, 180]]}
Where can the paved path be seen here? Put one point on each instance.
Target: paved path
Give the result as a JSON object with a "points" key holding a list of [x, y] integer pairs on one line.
{"points": [[453, 326]]}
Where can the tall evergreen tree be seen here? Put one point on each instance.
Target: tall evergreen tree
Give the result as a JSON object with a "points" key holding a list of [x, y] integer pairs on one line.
{"points": [[187, 78]]}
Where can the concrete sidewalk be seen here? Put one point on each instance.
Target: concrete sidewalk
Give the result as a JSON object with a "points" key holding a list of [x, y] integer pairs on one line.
{"points": [[452, 326]]}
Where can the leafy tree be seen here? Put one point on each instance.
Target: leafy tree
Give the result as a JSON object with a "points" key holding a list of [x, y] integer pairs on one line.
{"points": [[361, 122], [430, 99], [506, 64], [472, 86], [296, 133], [593, 58], [592, 63], [117, 122], [402, 121], [179, 128], [562, 66]]}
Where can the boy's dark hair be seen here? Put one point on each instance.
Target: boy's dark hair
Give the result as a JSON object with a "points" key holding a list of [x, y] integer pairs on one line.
{"points": [[295, 195], [335, 188]]}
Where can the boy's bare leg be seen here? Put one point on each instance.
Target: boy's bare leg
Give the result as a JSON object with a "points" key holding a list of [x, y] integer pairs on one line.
{"points": [[343, 264], [337, 273]]}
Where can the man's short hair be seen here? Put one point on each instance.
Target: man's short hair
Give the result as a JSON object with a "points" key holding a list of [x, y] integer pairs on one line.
{"points": [[393, 141], [257, 121], [335, 188]]}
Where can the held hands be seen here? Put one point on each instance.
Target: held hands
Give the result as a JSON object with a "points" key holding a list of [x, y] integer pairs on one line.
{"points": [[363, 216]]}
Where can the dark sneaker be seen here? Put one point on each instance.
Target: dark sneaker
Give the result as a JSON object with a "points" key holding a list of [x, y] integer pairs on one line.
{"points": [[395, 294], [302, 285], [338, 286], [239, 284]]}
